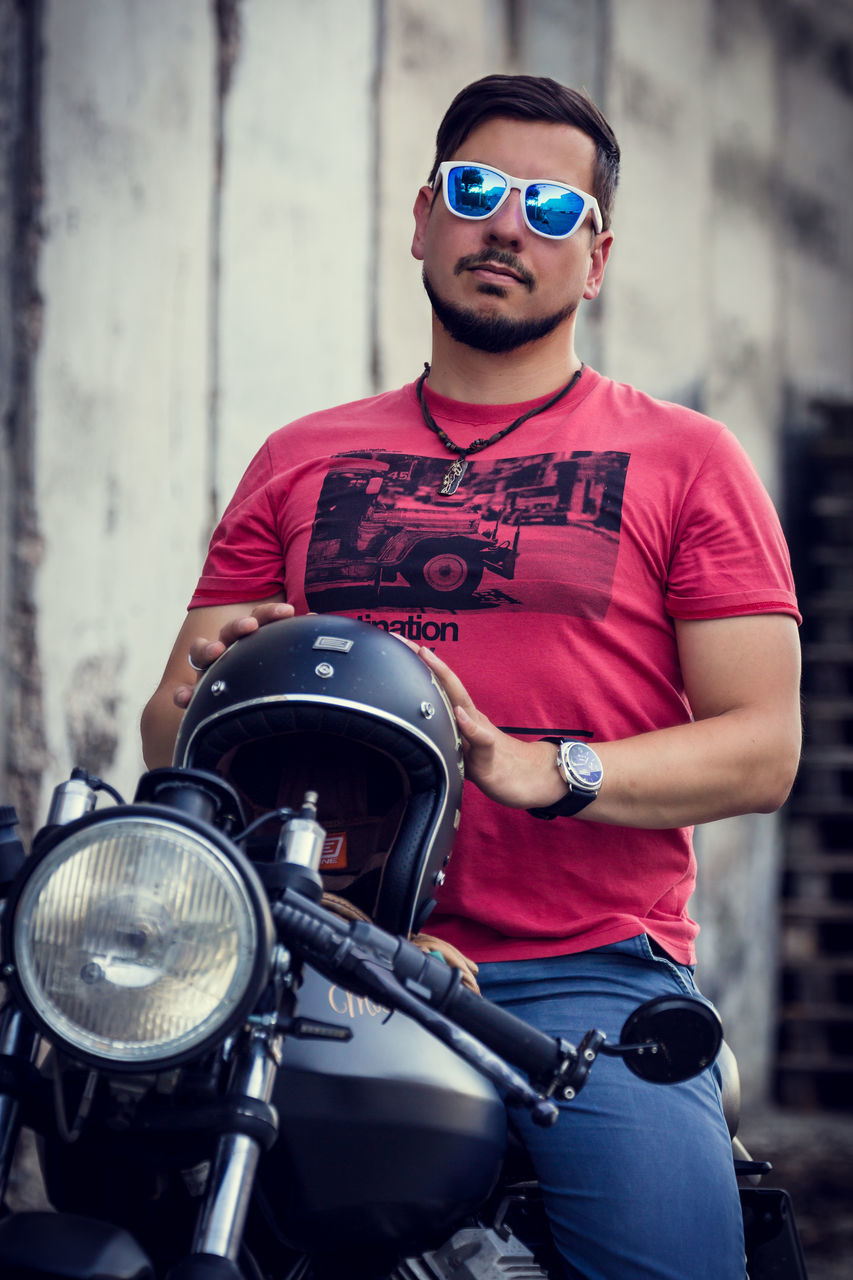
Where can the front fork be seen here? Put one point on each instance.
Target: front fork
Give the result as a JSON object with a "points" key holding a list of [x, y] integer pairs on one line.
{"points": [[222, 1220], [18, 1043]]}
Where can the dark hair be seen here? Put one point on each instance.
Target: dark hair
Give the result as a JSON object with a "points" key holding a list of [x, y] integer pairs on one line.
{"points": [[532, 98]]}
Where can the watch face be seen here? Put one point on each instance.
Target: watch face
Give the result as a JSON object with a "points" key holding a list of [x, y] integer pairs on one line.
{"points": [[583, 765]]}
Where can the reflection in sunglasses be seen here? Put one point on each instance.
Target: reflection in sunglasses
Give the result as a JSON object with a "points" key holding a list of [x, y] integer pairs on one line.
{"points": [[552, 209]]}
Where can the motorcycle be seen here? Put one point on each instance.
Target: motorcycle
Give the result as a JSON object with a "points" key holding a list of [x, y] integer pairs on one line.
{"points": [[229, 1081]]}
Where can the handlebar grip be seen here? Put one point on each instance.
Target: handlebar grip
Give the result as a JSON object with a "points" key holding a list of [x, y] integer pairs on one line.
{"points": [[530, 1050], [328, 943], [509, 1037]]}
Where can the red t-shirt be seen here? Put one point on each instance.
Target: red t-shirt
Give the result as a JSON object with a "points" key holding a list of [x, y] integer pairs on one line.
{"points": [[549, 582]]}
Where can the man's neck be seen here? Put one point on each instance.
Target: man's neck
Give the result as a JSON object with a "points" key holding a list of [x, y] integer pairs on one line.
{"points": [[479, 377]]}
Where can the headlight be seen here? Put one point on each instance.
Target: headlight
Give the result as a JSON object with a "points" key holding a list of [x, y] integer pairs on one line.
{"points": [[136, 940]]}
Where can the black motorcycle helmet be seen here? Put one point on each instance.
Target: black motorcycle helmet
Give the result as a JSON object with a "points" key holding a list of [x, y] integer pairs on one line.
{"points": [[329, 704]]}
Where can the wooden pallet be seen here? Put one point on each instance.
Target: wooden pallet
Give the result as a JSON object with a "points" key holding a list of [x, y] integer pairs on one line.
{"points": [[814, 1063]]}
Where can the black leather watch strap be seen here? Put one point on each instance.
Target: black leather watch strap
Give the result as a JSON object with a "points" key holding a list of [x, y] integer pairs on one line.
{"points": [[570, 804]]}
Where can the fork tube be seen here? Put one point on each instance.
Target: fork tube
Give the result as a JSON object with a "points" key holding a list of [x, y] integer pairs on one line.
{"points": [[17, 1040], [223, 1218]]}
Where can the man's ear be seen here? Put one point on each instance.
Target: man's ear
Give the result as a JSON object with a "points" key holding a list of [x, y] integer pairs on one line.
{"points": [[421, 211], [597, 264]]}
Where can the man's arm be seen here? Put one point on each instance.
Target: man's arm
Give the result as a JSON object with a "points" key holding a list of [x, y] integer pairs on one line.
{"points": [[162, 715], [739, 755]]}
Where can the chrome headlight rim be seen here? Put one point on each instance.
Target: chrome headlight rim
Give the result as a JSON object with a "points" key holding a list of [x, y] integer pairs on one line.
{"points": [[161, 817]]}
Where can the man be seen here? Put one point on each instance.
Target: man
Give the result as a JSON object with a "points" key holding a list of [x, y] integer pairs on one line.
{"points": [[646, 613]]}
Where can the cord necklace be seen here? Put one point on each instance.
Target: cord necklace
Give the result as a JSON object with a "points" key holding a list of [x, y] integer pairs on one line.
{"points": [[454, 473]]}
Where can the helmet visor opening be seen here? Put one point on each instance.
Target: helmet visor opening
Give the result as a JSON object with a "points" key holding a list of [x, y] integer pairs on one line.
{"points": [[362, 796]]}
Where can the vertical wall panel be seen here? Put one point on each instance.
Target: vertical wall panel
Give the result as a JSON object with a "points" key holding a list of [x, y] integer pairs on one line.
{"points": [[659, 86], [739, 859], [11, 128], [568, 42], [298, 217], [743, 385], [816, 162], [122, 370], [429, 53], [564, 41]]}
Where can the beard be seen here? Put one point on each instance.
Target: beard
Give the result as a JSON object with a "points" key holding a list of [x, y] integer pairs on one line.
{"points": [[493, 333]]}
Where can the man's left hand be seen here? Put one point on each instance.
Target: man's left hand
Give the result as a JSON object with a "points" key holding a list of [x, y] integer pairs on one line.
{"points": [[515, 773]]}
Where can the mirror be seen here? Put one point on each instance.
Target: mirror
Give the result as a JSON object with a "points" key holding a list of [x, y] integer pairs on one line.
{"points": [[670, 1038]]}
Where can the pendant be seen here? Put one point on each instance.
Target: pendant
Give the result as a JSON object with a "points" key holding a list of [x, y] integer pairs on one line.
{"points": [[453, 476]]}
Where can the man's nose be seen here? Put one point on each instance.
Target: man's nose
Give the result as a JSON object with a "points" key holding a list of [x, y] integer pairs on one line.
{"points": [[507, 226]]}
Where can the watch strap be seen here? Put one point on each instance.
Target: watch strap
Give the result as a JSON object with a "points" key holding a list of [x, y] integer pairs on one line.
{"points": [[570, 804], [567, 807]]}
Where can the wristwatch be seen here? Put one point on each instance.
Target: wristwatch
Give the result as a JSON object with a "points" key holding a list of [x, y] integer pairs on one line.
{"points": [[582, 771]]}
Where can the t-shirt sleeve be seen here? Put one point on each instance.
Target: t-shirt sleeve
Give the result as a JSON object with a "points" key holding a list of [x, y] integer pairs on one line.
{"points": [[729, 553], [245, 559]]}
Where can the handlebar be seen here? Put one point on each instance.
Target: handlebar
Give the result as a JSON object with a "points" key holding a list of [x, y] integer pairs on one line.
{"points": [[399, 974]]}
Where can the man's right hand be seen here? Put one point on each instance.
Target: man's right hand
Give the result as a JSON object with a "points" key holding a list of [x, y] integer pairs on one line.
{"points": [[203, 653], [162, 715]]}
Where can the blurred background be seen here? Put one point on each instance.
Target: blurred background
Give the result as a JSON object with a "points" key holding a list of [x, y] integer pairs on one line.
{"points": [[205, 219]]}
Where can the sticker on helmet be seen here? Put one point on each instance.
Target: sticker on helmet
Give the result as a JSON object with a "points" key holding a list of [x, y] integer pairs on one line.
{"points": [[334, 854]]}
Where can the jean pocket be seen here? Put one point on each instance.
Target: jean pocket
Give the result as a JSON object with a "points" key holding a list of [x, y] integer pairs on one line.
{"points": [[682, 973]]}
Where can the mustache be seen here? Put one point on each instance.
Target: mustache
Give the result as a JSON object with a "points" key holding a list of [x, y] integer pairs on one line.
{"points": [[496, 257]]}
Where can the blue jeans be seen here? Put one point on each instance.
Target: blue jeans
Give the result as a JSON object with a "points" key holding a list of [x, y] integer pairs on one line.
{"points": [[638, 1178]]}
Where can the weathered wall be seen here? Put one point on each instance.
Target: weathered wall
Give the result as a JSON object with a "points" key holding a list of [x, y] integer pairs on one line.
{"points": [[782, 332], [297, 221], [197, 290], [729, 289], [123, 372], [22, 756], [427, 52]]}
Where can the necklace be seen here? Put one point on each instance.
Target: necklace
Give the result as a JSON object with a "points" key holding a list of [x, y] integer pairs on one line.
{"points": [[454, 473]]}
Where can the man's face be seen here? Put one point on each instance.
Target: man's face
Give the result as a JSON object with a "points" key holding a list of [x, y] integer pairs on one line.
{"points": [[495, 284]]}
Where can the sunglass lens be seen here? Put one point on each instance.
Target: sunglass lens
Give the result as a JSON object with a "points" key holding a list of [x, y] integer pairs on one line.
{"points": [[553, 210], [474, 192]]}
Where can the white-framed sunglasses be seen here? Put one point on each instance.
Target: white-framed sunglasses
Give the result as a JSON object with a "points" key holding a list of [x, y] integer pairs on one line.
{"points": [[550, 208]]}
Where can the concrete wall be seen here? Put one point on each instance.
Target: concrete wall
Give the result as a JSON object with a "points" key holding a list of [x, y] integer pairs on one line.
{"points": [[729, 289], [123, 372], [172, 289]]}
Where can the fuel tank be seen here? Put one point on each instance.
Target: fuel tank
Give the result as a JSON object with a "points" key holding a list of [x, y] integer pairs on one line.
{"points": [[388, 1138]]}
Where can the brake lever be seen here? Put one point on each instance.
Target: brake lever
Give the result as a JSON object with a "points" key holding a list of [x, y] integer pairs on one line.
{"points": [[364, 955], [514, 1088]]}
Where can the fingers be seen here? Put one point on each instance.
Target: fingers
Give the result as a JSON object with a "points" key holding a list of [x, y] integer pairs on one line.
{"points": [[204, 652], [259, 617], [449, 681], [473, 725], [503, 767], [476, 730], [181, 695], [452, 956]]}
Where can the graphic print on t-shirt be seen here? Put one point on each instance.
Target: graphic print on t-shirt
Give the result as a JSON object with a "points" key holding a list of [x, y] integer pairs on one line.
{"points": [[536, 533]]}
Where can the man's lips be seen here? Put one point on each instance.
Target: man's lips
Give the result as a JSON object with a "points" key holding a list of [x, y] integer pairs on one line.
{"points": [[490, 269], [498, 265]]}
